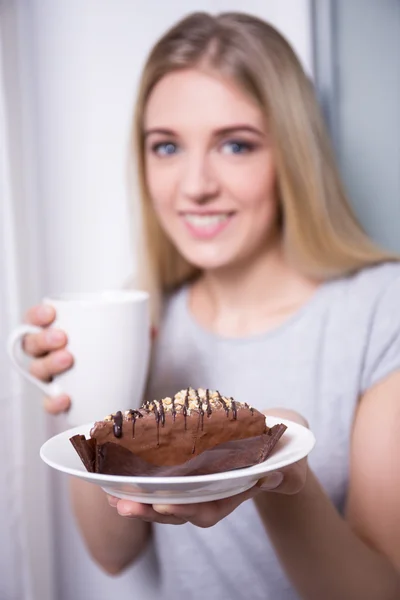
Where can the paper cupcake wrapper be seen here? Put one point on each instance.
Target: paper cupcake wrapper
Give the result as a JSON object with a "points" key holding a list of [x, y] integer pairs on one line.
{"points": [[114, 459]]}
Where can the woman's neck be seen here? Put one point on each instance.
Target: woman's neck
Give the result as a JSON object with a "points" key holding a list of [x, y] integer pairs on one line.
{"points": [[251, 297]]}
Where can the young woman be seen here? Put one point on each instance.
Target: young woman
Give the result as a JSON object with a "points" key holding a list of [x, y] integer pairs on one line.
{"points": [[264, 286]]}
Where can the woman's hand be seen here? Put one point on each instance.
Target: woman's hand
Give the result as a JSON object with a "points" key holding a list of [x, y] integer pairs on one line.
{"points": [[48, 351], [289, 480]]}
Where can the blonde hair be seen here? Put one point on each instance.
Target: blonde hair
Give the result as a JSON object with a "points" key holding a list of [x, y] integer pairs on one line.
{"points": [[321, 235]]}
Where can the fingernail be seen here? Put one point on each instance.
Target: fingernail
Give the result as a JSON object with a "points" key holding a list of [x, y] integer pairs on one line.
{"points": [[45, 312], [162, 509], [124, 510], [54, 336], [112, 501], [61, 402], [272, 481], [63, 360]]}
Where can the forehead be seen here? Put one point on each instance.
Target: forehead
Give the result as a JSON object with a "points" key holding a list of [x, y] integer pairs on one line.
{"points": [[188, 97]]}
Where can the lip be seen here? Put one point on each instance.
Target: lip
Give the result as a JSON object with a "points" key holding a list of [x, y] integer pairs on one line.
{"points": [[208, 230]]}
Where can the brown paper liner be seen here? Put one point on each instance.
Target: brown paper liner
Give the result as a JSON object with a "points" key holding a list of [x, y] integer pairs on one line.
{"points": [[113, 459]]}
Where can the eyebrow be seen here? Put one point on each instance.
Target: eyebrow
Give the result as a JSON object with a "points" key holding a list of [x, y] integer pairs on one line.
{"points": [[218, 133]]}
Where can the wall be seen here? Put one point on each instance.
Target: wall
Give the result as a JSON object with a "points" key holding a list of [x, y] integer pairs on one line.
{"points": [[368, 116], [26, 565], [87, 58], [82, 61]]}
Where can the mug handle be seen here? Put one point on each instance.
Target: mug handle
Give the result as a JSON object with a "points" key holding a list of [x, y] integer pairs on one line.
{"points": [[16, 353]]}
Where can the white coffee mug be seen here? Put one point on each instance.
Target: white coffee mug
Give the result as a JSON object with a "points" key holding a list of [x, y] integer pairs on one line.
{"points": [[109, 339]]}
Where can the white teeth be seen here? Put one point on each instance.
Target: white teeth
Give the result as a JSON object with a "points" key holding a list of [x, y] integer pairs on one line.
{"points": [[205, 220]]}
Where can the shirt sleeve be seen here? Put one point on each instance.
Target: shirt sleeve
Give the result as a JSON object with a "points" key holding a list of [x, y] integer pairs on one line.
{"points": [[383, 346]]}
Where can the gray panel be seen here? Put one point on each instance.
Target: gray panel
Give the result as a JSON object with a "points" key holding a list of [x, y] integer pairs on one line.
{"points": [[323, 24], [364, 106]]}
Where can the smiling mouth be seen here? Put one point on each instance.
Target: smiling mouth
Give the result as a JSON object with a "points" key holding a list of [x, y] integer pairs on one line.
{"points": [[205, 220], [206, 226]]}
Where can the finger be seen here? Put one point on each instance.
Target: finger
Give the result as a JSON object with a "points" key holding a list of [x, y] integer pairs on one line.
{"points": [[55, 406], [39, 344], [289, 481], [202, 515], [40, 315], [206, 514], [145, 512], [53, 364], [112, 500]]}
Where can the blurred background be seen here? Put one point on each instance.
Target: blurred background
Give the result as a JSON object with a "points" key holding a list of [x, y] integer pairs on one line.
{"points": [[68, 77]]}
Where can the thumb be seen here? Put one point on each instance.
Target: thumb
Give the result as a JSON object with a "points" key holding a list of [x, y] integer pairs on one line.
{"points": [[271, 481]]}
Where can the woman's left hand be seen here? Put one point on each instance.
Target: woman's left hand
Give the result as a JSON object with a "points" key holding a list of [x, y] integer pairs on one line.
{"points": [[290, 480]]}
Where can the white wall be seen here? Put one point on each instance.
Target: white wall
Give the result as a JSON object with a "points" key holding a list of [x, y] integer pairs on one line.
{"points": [[87, 57], [25, 498], [82, 62]]}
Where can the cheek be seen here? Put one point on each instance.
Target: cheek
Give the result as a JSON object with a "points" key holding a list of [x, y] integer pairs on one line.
{"points": [[161, 183], [255, 188]]}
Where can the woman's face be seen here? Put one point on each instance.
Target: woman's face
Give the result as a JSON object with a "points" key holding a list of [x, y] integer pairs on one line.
{"points": [[209, 169]]}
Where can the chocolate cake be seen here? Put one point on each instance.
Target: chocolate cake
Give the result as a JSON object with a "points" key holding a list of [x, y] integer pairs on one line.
{"points": [[196, 432]]}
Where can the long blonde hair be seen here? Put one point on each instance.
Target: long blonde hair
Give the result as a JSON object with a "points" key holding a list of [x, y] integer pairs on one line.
{"points": [[320, 232]]}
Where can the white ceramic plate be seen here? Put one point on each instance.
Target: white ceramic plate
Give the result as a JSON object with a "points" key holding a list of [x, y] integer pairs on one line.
{"points": [[296, 443]]}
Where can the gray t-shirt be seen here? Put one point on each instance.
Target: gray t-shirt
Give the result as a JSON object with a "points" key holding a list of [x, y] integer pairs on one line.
{"points": [[343, 341]]}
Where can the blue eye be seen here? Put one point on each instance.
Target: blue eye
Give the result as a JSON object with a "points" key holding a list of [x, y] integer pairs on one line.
{"points": [[235, 147], [165, 149]]}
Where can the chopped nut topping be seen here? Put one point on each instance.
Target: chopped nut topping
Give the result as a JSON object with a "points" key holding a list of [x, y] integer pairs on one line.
{"points": [[192, 399]]}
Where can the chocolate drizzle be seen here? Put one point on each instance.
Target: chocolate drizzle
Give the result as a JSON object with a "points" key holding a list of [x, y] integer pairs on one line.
{"points": [[173, 409], [224, 404], [234, 409], [134, 414], [162, 413], [209, 409], [200, 408], [251, 409], [186, 405], [158, 418], [203, 402], [117, 418]]}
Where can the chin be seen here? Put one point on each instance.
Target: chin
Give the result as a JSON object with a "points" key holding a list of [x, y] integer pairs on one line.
{"points": [[209, 263], [211, 266]]}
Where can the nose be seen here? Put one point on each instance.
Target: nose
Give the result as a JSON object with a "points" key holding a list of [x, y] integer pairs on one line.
{"points": [[199, 182]]}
